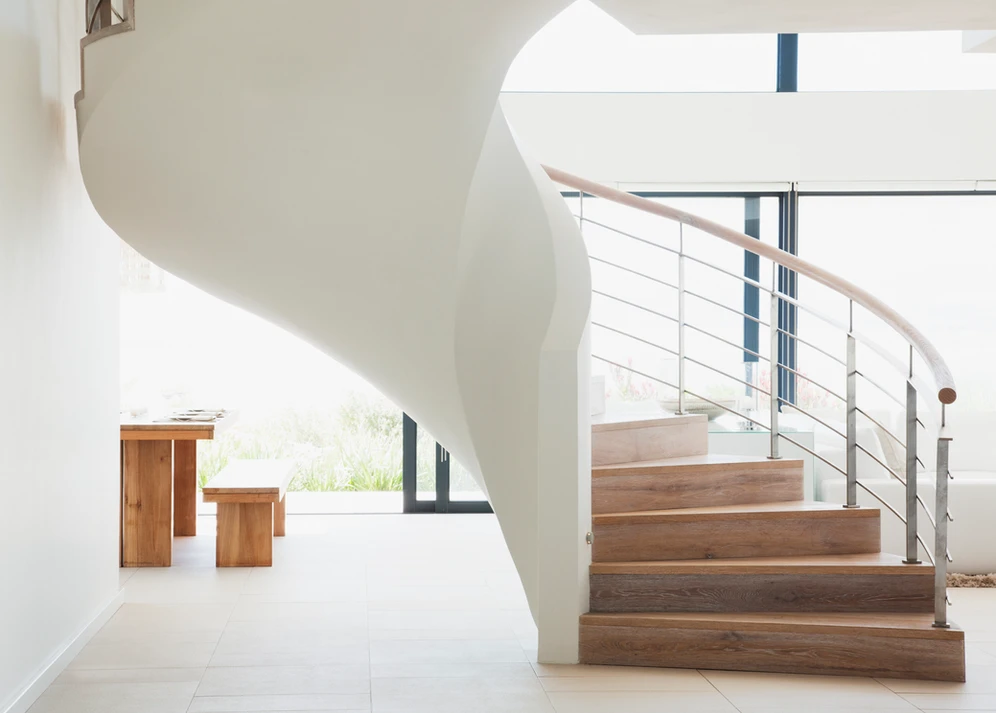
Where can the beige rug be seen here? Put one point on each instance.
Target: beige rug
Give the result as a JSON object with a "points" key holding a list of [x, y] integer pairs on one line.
{"points": [[972, 580]]}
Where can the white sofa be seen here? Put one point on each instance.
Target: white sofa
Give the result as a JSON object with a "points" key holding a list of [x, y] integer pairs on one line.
{"points": [[971, 493]]}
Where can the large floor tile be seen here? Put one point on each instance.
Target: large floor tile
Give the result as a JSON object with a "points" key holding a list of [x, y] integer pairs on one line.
{"points": [[979, 679], [278, 680], [166, 622], [441, 651], [640, 702], [452, 670], [321, 614], [952, 701], [115, 698], [317, 703], [459, 695], [242, 645], [640, 680], [150, 653], [131, 675], [177, 585]]}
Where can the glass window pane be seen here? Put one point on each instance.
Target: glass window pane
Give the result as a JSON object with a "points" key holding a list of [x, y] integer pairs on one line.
{"points": [[930, 258], [585, 50], [891, 61]]}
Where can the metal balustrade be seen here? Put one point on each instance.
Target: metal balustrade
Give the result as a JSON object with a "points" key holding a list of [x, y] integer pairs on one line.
{"points": [[910, 403]]}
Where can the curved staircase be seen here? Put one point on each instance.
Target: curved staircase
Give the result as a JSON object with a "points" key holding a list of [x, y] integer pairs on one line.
{"points": [[716, 562]]}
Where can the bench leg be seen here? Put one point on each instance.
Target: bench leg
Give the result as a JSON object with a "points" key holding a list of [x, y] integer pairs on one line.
{"points": [[184, 488], [147, 504], [280, 517], [245, 535]]}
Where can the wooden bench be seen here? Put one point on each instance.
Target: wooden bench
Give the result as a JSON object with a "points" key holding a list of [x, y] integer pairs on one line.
{"points": [[251, 510]]}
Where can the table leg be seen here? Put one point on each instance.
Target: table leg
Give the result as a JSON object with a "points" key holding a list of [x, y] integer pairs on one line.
{"points": [[184, 488], [245, 535], [280, 517], [147, 504]]}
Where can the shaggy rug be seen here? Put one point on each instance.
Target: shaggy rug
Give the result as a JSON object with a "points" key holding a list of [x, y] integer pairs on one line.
{"points": [[972, 580]]}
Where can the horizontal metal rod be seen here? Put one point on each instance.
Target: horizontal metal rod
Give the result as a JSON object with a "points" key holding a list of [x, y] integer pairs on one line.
{"points": [[901, 518], [633, 272], [633, 336], [726, 408], [881, 388], [813, 382], [814, 454], [629, 235], [727, 341], [745, 280], [814, 312], [875, 458], [728, 376], [822, 351], [634, 304], [727, 308], [884, 429], [635, 371], [806, 413]]}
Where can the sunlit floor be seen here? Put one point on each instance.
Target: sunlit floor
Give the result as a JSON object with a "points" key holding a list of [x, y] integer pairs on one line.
{"points": [[420, 613]]}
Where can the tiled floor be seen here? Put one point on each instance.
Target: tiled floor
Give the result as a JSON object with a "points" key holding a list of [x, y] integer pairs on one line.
{"points": [[414, 613]]}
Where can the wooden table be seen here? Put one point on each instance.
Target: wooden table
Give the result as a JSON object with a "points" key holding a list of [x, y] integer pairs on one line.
{"points": [[159, 486]]}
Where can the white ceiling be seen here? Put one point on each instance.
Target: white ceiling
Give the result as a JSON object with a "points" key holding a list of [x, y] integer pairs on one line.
{"points": [[650, 17]]}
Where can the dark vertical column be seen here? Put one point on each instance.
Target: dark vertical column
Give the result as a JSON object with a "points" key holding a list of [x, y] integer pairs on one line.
{"points": [[788, 63], [788, 284], [752, 271], [409, 463], [788, 233], [442, 479]]}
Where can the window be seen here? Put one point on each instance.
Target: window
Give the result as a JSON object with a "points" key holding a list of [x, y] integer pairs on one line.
{"points": [[891, 61], [585, 50]]}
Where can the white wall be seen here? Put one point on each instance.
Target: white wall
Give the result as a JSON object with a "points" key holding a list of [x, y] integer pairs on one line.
{"points": [[58, 355], [765, 137]]}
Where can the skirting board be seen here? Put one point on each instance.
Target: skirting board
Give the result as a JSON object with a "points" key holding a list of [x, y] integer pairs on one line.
{"points": [[23, 700]]}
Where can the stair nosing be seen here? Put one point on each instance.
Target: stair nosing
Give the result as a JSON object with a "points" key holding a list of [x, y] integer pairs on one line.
{"points": [[787, 622], [778, 510], [803, 565], [695, 462]]}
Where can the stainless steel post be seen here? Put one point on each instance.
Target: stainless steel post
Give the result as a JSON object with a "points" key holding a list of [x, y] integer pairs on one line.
{"points": [[775, 370], [852, 423], [912, 548], [941, 533], [681, 318]]}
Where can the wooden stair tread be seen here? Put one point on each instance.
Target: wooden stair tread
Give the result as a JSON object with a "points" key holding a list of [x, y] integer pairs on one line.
{"points": [[760, 511], [876, 624], [867, 563], [704, 461], [623, 421]]}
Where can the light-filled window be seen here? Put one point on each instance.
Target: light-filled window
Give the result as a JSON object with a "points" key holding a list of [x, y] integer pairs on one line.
{"points": [[585, 50], [891, 61]]}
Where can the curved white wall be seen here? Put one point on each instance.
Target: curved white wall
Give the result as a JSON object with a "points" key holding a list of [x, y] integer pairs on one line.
{"points": [[347, 174]]}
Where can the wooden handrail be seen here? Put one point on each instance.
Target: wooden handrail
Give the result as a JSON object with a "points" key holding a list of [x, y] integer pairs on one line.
{"points": [[946, 393]]}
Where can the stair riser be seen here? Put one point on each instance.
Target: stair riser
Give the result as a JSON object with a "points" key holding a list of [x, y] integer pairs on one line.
{"points": [[747, 537], [673, 488], [762, 593], [629, 445], [843, 654]]}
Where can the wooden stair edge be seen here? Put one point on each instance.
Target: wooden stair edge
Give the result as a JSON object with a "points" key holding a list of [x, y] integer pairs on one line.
{"points": [[703, 461], [760, 511], [866, 563], [627, 422], [901, 626]]}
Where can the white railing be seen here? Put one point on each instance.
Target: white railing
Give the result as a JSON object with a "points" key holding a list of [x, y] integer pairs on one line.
{"points": [[918, 346]]}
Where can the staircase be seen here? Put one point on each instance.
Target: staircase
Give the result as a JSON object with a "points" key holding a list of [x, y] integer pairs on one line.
{"points": [[717, 562]]}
